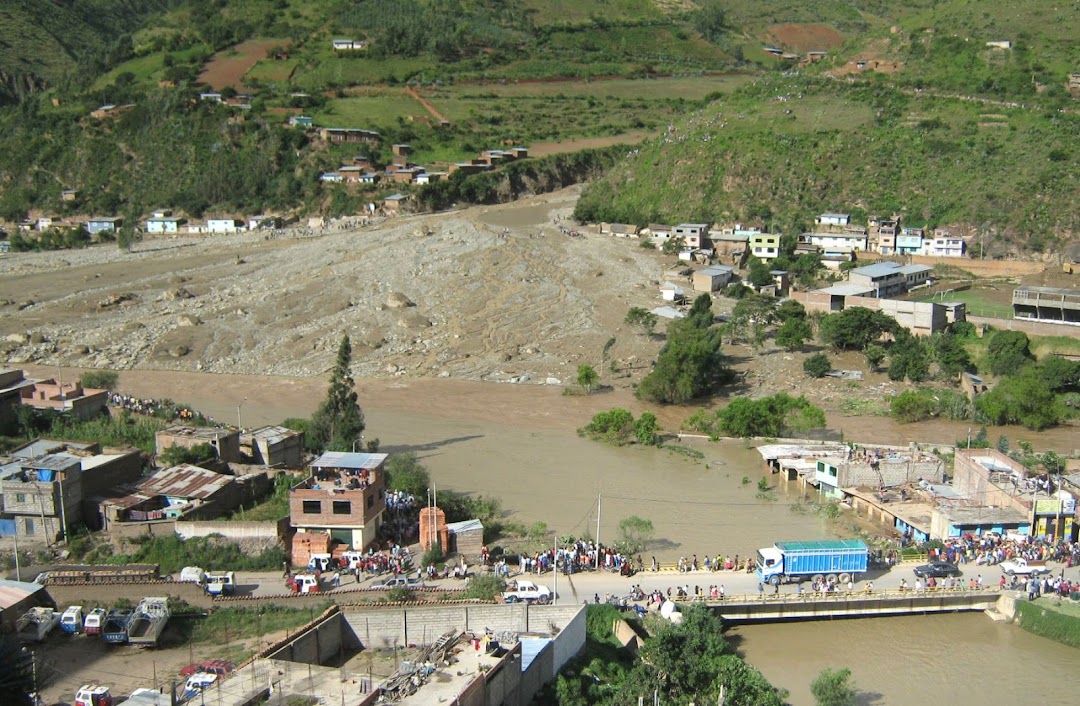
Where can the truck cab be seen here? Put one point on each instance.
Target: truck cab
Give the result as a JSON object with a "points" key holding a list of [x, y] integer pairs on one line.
{"points": [[93, 695], [770, 565]]}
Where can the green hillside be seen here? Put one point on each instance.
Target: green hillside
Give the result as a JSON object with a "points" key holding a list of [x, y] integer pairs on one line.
{"points": [[65, 42], [784, 149]]}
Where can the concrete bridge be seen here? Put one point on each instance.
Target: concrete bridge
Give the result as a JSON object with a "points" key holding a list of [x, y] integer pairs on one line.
{"points": [[781, 607]]}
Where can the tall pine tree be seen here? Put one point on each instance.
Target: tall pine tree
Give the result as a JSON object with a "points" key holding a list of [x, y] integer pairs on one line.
{"points": [[339, 421]]}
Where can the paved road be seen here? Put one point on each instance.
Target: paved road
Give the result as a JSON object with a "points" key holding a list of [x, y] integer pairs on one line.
{"points": [[586, 586]]}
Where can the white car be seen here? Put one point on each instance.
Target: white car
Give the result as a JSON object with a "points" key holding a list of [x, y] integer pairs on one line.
{"points": [[199, 682], [414, 584], [526, 592]]}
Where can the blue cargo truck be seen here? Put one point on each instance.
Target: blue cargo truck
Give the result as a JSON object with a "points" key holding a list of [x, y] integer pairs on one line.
{"points": [[838, 560]]}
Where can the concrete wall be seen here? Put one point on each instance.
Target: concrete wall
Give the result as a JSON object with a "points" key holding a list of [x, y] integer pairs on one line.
{"points": [[320, 642], [540, 672], [1035, 328], [982, 267], [269, 529], [972, 479], [386, 627], [854, 474]]}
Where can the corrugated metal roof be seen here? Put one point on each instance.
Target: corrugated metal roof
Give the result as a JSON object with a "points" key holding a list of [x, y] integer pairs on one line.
{"points": [[11, 592], [273, 435], [878, 269], [54, 462], [184, 481], [345, 459], [913, 269], [715, 270], [465, 526]]}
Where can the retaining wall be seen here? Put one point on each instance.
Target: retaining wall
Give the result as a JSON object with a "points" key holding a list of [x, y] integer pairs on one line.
{"points": [[106, 594], [1035, 328], [318, 642], [271, 529]]}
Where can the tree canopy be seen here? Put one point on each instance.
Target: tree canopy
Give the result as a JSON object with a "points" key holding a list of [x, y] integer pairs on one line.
{"points": [[405, 473], [833, 688], [690, 364], [855, 328], [1009, 351], [339, 421], [772, 416]]}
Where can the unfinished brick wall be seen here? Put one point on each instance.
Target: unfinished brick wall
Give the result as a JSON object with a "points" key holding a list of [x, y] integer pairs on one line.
{"points": [[433, 527]]}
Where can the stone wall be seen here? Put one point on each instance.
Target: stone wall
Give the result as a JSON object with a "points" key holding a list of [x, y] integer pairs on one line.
{"points": [[237, 531]]}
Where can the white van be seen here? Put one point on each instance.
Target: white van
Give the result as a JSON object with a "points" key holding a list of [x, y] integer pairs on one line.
{"points": [[192, 574], [221, 584], [352, 558]]}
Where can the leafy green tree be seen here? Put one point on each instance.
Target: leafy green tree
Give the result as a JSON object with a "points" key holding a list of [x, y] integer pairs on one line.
{"points": [[752, 314], [790, 309], [673, 246], [1008, 352], [833, 687], [909, 358], [875, 354], [99, 379], [793, 334], [1003, 444], [1060, 374], [1052, 462], [854, 328], [767, 416], [405, 473], [485, 587], [690, 364], [642, 319], [711, 20], [913, 406], [1021, 399], [614, 426], [758, 273], [634, 533], [817, 365], [587, 378], [949, 353], [737, 290], [339, 421], [646, 428]]}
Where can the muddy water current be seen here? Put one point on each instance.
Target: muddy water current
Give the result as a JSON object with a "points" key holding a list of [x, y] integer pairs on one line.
{"points": [[962, 659]]}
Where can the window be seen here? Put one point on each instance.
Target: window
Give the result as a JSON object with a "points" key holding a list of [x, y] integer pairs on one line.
{"points": [[28, 526], [832, 471], [371, 501], [342, 507], [20, 497], [312, 507]]}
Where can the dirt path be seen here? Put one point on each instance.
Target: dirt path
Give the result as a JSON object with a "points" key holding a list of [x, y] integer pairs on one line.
{"points": [[427, 106]]}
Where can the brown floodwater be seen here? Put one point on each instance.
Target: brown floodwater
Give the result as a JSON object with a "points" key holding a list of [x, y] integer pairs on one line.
{"points": [[963, 658]]}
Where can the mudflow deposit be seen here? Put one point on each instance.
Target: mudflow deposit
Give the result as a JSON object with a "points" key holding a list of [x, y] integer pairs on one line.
{"points": [[486, 293]]}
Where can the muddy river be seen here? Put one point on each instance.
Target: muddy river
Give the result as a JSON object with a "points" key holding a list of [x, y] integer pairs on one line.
{"points": [[943, 659]]}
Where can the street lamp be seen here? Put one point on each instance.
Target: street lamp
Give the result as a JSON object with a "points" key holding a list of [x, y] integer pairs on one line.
{"points": [[360, 439], [239, 421]]}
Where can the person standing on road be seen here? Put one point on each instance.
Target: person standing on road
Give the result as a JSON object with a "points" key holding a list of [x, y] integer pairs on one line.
{"points": [[761, 590], [285, 569]]}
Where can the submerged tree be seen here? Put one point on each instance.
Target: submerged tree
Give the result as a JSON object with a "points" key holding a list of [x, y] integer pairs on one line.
{"points": [[339, 421]]}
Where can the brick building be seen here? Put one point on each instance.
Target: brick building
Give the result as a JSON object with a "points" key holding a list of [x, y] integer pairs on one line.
{"points": [[344, 497], [67, 397], [275, 446], [43, 495]]}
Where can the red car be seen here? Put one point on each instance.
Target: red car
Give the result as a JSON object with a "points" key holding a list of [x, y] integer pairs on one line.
{"points": [[220, 667]]}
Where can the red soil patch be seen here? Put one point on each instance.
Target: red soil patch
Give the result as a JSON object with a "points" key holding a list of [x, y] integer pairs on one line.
{"points": [[805, 37], [227, 67]]}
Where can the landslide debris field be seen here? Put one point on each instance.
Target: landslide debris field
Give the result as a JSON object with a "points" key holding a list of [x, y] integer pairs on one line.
{"points": [[444, 295]]}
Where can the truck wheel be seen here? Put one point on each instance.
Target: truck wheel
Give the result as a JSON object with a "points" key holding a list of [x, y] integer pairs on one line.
{"points": [[844, 578], [774, 580], [818, 578], [543, 600], [512, 599], [831, 578]]}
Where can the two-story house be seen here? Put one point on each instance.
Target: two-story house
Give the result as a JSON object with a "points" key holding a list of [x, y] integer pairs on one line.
{"points": [[695, 235], [910, 241], [883, 232], [764, 246], [944, 244], [344, 497], [886, 279]]}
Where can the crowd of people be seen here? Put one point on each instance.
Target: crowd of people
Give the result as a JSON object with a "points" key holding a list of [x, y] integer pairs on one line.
{"points": [[992, 548], [162, 409]]}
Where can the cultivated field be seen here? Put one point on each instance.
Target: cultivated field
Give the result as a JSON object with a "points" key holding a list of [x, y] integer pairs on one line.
{"points": [[227, 68]]}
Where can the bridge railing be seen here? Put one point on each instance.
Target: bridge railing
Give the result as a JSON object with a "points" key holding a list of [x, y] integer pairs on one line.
{"points": [[840, 596]]}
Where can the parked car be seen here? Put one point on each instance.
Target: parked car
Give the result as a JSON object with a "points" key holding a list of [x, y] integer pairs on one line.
{"points": [[415, 583], [221, 667], [526, 592], [199, 682], [937, 569]]}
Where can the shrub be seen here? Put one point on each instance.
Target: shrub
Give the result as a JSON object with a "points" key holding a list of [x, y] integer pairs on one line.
{"points": [[913, 406], [484, 588], [817, 365], [99, 379], [401, 594], [615, 426]]}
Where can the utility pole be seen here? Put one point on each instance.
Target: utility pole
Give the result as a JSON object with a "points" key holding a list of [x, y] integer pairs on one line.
{"points": [[599, 498], [555, 566], [239, 421]]}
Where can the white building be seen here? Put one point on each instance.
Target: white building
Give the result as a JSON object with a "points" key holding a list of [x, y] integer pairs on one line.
{"points": [[163, 224], [833, 219], [223, 225], [832, 242], [944, 245], [695, 235]]}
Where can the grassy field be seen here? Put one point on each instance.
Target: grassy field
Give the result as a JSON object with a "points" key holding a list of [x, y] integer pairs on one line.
{"points": [[271, 70], [378, 107], [148, 69], [980, 302]]}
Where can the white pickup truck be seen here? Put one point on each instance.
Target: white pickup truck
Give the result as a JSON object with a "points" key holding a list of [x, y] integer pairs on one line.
{"points": [[1022, 567], [526, 592]]}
